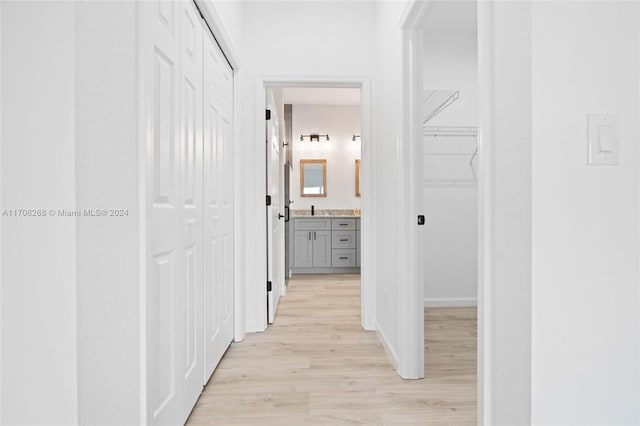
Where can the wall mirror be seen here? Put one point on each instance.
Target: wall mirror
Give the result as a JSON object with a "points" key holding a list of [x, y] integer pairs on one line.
{"points": [[357, 178], [313, 178]]}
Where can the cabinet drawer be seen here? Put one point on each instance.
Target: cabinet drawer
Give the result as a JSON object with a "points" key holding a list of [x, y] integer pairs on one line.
{"points": [[343, 239], [343, 258], [312, 224], [343, 224]]}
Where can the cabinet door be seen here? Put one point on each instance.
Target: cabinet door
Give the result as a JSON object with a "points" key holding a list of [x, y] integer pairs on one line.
{"points": [[321, 249], [303, 254]]}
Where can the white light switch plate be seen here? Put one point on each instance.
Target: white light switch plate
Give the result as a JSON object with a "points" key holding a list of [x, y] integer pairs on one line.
{"points": [[604, 140]]}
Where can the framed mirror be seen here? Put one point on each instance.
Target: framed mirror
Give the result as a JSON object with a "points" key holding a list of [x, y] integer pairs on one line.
{"points": [[357, 178], [313, 178]]}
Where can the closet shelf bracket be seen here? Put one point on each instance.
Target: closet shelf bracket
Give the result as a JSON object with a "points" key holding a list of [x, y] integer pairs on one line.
{"points": [[435, 101]]}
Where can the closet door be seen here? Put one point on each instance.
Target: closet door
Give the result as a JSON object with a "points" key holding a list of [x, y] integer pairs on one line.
{"points": [[164, 278], [174, 210], [190, 351], [218, 198]]}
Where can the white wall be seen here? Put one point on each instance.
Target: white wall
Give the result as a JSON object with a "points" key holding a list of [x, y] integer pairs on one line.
{"points": [[341, 123], [107, 164], [561, 295], [314, 39], [504, 351], [39, 376], [585, 324], [451, 63], [230, 14], [450, 247], [387, 127]]}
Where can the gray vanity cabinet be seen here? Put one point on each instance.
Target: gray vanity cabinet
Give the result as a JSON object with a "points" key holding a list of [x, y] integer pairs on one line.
{"points": [[312, 243], [343, 234], [325, 245]]}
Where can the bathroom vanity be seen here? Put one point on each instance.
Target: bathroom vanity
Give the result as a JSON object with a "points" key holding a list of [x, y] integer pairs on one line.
{"points": [[326, 244]]}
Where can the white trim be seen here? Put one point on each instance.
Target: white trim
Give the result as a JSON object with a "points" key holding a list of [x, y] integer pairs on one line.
{"points": [[388, 347], [143, 66], [485, 213], [0, 210], [413, 13], [256, 252], [449, 302], [239, 228], [368, 234], [411, 287], [638, 377]]}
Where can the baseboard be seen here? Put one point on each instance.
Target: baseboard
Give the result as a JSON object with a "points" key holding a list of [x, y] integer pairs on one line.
{"points": [[450, 302], [391, 353]]}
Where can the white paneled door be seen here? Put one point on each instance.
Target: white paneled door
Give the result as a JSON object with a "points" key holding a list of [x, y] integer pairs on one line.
{"points": [[164, 280], [189, 297], [218, 195], [275, 212], [187, 93]]}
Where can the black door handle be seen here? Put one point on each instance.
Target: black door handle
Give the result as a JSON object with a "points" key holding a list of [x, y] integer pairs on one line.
{"points": [[280, 216], [287, 213]]}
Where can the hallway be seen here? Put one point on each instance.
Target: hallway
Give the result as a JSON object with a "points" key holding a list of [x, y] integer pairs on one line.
{"points": [[316, 366]]}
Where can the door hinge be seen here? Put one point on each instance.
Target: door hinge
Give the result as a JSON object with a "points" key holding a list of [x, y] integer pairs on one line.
{"points": [[268, 285], [268, 200], [268, 114]]}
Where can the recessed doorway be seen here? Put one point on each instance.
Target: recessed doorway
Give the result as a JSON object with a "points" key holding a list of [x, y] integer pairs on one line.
{"points": [[313, 175]]}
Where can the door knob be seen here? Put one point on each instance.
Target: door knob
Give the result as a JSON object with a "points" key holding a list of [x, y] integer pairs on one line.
{"points": [[280, 216]]}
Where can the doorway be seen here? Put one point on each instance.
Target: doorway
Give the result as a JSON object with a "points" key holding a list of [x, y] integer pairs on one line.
{"points": [[314, 156], [366, 211], [443, 155]]}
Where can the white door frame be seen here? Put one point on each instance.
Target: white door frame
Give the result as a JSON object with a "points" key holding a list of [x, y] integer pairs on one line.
{"points": [[412, 78], [368, 285], [411, 289]]}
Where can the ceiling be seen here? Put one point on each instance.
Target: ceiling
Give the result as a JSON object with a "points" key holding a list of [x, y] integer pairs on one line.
{"points": [[320, 96], [451, 15]]}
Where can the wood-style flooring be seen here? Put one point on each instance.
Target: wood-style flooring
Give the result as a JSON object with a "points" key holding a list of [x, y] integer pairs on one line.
{"points": [[316, 366]]}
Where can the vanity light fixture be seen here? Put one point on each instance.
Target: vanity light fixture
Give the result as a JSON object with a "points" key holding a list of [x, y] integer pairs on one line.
{"points": [[313, 137], [354, 137]]}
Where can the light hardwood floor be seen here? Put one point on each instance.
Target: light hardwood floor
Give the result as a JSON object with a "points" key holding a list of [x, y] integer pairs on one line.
{"points": [[316, 366]]}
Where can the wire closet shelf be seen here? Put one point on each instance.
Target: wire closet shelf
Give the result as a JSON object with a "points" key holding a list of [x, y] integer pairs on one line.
{"points": [[450, 156]]}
